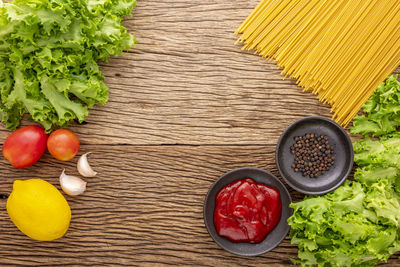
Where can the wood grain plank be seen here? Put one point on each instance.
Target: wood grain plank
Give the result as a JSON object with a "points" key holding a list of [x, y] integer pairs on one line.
{"points": [[144, 208], [184, 83], [187, 83]]}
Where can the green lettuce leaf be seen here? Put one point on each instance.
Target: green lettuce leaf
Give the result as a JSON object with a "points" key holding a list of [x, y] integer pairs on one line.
{"points": [[49, 51], [382, 110], [352, 226], [358, 224]]}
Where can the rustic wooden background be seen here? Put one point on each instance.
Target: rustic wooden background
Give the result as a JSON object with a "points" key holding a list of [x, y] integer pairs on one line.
{"points": [[186, 105]]}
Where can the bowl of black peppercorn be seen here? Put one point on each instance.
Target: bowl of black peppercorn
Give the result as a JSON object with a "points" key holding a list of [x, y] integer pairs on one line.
{"points": [[314, 155]]}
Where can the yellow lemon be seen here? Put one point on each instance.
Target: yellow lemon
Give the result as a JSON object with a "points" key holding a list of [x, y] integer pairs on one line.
{"points": [[38, 209]]}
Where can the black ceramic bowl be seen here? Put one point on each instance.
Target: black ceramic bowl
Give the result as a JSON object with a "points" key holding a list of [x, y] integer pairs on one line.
{"points": [[274, 238], [343, 152]]}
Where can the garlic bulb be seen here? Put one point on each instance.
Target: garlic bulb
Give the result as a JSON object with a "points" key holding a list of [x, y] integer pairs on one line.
{"points": [[84, 168], [72, 185]]}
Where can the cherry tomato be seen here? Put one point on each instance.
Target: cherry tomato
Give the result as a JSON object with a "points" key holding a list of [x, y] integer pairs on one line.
{"points": [[63, 144], [25, 146]]}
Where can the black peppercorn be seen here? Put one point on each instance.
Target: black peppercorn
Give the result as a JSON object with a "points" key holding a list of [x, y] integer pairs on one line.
{"points": [[313, 154]]}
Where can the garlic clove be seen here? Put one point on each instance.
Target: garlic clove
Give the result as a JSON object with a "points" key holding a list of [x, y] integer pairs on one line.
{"points": [[72, 185], [84, 168]]}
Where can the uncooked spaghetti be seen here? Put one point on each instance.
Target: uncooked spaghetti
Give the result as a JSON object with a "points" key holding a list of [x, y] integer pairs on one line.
{"points": [[340, 50]]}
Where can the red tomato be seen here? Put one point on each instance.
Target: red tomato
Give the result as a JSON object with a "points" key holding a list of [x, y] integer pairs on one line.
{"points": [[63, 144], [25, 146]]}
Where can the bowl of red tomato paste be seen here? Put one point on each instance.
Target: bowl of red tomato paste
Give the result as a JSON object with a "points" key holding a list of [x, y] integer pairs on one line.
{"points": [[246, 211]]}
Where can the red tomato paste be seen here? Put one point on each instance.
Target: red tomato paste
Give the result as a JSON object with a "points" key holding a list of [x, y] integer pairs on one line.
{"points": [[247, 211]]}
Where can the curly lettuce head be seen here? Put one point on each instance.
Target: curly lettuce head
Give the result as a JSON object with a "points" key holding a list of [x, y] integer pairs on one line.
{"points": [[49, 51], [358, 224], [382, 110]]}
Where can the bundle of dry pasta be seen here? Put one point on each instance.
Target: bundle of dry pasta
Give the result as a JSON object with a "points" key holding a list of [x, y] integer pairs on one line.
{"points": [[340, 49]]}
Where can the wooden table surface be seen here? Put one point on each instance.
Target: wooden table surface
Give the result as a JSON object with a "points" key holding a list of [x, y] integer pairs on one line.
{"points": [[186, 105]]}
